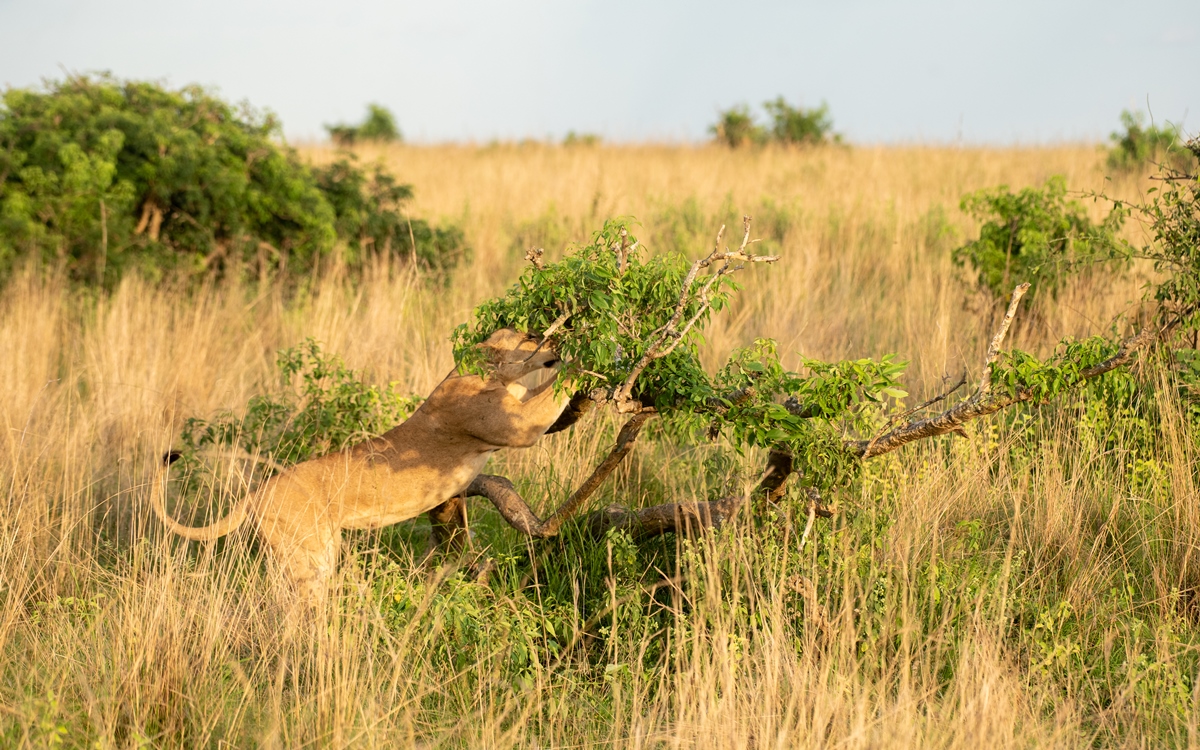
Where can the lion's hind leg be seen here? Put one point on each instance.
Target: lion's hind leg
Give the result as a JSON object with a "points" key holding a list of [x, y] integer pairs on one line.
{"points": [[307, 558]]}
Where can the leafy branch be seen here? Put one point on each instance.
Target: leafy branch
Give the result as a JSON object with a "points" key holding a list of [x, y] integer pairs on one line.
{"points": [[629, 340]]}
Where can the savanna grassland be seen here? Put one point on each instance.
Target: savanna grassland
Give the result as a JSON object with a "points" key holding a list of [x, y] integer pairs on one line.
{"points": [[1030, 584]]}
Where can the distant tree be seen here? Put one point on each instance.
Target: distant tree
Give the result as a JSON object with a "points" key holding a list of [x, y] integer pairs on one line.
{"points": [[799, 125], [1140, 144], [736, 127], [581, 139], [379, 126]]}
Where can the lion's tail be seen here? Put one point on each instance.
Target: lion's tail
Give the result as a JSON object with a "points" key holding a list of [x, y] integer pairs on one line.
{"points": [[234, 519]]}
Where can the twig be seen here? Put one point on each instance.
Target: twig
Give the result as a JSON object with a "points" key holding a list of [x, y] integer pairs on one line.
{"points": [[557, 324], [812, 517]]}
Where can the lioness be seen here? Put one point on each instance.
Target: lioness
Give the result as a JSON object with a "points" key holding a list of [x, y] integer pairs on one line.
{"points": [[414, 467]]}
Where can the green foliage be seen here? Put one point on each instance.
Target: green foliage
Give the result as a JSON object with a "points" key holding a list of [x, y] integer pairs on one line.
{"points": [[371, 220], [797, 125], [1016, 371], [832, 401], [1173, 216], [319, 406], [379, 126], [1139, 144], [615, 315], [736, 127], [1035, 236], [106, 176]]}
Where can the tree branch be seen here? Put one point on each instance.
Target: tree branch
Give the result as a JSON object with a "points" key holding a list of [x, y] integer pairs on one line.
{"points": [[643, 523], [517, 512], [983, 402]]}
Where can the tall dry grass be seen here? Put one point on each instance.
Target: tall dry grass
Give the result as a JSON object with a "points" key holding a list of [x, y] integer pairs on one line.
{"points": [[114, 636]]}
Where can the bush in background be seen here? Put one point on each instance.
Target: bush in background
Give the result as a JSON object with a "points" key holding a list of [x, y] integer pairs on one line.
{"points": [[1141, 144], [1035, 236], [379, 126], [370, 220], [581, 139], [104, 176], [799, 125], [737, 126]]}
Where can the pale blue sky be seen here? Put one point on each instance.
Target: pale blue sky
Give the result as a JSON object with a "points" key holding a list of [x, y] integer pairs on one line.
{"points": [[925, 70]]}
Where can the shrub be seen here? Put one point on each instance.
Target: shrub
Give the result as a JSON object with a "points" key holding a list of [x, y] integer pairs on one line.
{"points": [[379, 126], [736, 127], [1035, 236], [1139, 144], [799, 125], [789, 125], [369, 218], [318, 406], [581, 139], [104, 175]]}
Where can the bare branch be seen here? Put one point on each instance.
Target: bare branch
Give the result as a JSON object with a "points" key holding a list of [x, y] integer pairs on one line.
{"points": [[557, 324], [579, 405], [698, 517], [624, 250], [985, 382]]}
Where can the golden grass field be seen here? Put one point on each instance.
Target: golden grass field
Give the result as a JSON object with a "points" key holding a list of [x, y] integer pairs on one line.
{"points": [[112, 635]]}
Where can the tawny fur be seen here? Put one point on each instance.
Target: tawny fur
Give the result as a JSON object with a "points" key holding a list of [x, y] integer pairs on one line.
{"points": [[407, 471]]}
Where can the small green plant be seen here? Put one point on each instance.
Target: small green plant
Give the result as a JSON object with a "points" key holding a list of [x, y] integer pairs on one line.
{"points": [[1140, 144], [379, 126], [800, 126], [1035, 236], [318, 406], [736, 127]]}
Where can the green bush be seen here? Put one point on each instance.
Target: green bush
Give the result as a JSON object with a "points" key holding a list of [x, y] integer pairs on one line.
{"points": [[737, 126], [1036, 236], [105, 176], [799, 125], [370, 220], [1140, 144], [581, 139], [318, 406], [379, 125]]}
